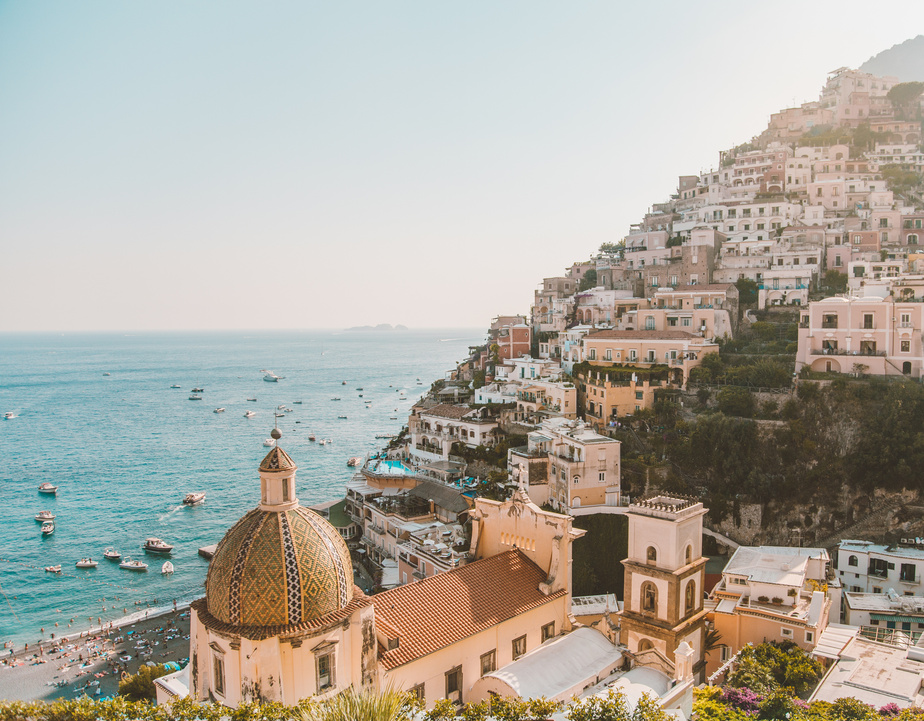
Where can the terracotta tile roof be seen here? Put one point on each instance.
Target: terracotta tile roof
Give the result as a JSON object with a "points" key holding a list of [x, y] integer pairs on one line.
{"points": [[447, 410], [451, 606], [641, 335], [258, 633]]}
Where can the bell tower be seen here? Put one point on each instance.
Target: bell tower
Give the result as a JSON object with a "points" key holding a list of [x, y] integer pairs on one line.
{"points": [[664, 576]]}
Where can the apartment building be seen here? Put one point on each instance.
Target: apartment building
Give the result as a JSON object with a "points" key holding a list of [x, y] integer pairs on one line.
{"points": [[434, 430], [679, 350], [865, 567]]}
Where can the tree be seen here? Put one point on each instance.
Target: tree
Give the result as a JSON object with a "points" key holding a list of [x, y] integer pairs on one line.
{"points": [[388, 705], [836, 281], [735, 401], [140, 686], [747, 291], [589, 280], [905, 97]]}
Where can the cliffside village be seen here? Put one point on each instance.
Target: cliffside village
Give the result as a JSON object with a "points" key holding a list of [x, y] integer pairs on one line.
{"points": [[779, 212]]}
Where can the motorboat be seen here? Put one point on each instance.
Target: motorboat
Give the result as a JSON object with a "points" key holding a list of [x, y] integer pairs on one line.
{"points": [[131, 565], [198, 390], [298, 403], [195, 397], [112, 554], [44, 516], [322, 442], [271, 377], [312, 437], [219, 410], [359, 389], [354, 461], [48, 527], [9, 415], [155, 545], [249, 414], [107, 374], [343, 383], [48, 488], [335, 398], [279, 415], [269, 442], [282, 407], [87, 563], [175, 385], [194, 499], [342, 417], [53, 569], [167, 568], [251, 400], [328, 441]]}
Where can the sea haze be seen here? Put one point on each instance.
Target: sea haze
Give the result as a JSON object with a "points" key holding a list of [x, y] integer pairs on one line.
{"points": [[125, 448]]}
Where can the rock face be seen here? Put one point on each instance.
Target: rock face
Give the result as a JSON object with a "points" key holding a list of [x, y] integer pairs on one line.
{"points": [[905, 61]]}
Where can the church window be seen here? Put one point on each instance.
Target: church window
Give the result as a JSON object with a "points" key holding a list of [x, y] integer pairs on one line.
{"points": [[218, 671], [285, 489], [688, 555], [548, 631], [488, 662], [690, 597], [325, 665], [651, 554], [519, 647], [649, 597]]}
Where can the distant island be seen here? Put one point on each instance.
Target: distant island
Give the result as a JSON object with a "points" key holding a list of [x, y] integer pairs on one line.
{"points": [[380, 326]]}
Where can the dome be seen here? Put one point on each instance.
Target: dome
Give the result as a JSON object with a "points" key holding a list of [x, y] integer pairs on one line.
{"points": [[279, 567]]}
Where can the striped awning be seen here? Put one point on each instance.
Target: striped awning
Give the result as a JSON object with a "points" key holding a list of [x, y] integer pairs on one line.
{"points": [[896, 619]]}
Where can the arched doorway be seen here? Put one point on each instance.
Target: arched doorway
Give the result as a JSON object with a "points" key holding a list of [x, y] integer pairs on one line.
{"points": [[906, 368]]}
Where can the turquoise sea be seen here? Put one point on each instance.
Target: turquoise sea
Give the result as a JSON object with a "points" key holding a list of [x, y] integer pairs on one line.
{"points": [[125, 448]]}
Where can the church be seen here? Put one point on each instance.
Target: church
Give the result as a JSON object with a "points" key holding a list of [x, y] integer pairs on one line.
{"points": [[281, 619]]}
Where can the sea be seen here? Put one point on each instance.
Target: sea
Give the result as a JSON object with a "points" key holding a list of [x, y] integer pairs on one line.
{"points": [[97, 415]]}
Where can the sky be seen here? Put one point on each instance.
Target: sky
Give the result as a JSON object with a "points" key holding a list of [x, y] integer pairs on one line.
{"points": [[196, 164]]}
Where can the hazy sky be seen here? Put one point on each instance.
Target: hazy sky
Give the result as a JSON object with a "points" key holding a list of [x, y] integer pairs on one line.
{"points": [[172, 165]]}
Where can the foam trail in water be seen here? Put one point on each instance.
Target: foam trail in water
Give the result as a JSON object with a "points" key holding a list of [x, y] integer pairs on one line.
{"points": [[169, 513]]}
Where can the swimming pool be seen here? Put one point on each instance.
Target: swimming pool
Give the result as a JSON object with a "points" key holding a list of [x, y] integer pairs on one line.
{"points": [[390, 468]]}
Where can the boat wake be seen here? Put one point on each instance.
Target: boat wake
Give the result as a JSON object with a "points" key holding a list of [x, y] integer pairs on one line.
{"points": [[169, 513]]}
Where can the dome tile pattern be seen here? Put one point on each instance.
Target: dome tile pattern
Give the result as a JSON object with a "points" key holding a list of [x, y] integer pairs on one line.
{"points": [[277, 460], [279, 568]]}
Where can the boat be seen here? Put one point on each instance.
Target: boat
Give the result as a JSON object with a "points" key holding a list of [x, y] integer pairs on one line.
{"points": [[175, 385], [322, 442], [107, 374], [167, 568], [131, 565], [9, 415], [194, 499], [328, 440], [384, 435], [252, 400], [343, 383], [354, 461], [219, 410], [298, 403], [271, 377], [359, 389], [194, 397], [249, 414], [48, 488], [312, 437], [87, 563], [198, 390], [155, 545], [269, 443], [342, 417], [53, 569], [48, 527], [279, 415], [112, 554], [335, 398], [44, 516]]}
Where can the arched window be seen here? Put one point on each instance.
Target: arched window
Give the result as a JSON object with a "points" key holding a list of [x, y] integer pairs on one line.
{"points": [[690, 597], [852, 561], [652, 554], [688, 555], [645, 645], [649, 597], [913, 239]]}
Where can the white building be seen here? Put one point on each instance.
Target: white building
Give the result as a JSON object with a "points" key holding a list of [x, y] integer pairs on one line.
{"points": [[866, 567]]}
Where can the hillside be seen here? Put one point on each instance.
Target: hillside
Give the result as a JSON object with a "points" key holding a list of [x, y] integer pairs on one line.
{"points": [[905, 61]]}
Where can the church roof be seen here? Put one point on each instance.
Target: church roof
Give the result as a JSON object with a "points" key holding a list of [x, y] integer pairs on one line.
{"points": [[277, 460], [446, 608], [279, 568]]}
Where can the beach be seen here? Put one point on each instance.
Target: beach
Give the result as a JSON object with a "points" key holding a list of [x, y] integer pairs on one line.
{"points": [[92, 662]]}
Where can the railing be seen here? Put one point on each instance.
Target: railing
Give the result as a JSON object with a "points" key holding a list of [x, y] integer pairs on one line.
{"points": [[844, 351]]}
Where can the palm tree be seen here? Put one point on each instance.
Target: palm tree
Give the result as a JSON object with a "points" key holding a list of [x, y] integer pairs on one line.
{"points": [[366, 705]]}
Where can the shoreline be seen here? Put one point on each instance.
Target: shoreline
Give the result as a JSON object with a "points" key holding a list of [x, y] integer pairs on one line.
{"points": [[92, 662]]}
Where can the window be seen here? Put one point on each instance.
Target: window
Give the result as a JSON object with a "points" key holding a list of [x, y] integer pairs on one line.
{"points": [[690, 597], [907, 572], [639, 395], [852, 561], [285, 489], [724, 653], [548, 631], [651, 554], [867, 321], [593, 354], [810, 637], [218, 673], [488, 662], [601, 476], [649, 597], [829, 321], [518, 647], [786, 632], [906, 346], [609, 354], [688, 555], [325, 663], [454, 684], [418, 692]]}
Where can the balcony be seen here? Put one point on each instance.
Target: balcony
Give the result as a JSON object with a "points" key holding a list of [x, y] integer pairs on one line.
{"points": [[845, 352]]}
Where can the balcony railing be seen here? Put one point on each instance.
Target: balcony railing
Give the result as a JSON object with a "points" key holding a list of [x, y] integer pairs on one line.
{"points": [[844, 351]]}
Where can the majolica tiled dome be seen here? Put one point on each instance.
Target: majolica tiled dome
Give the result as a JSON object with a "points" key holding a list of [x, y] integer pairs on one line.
{"points": [[278, 568]]}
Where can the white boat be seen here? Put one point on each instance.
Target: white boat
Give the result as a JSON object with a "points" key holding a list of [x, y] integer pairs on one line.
{"points": [[219, 410], [87, 563], [167, 568], [9, 415], [354, 461], [175, 385], [48, 527], [328, 440], [198, 390], [252, 400], [53, 569], [322, 442], [155, 545], [269, 443], [48, 488], [195, 397], [112, 554], [282, 407], [44, 516], [133, 565], [280, 415], [271, 377], [343, 418], [107, 374], [249, 414], [194, 499]]}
